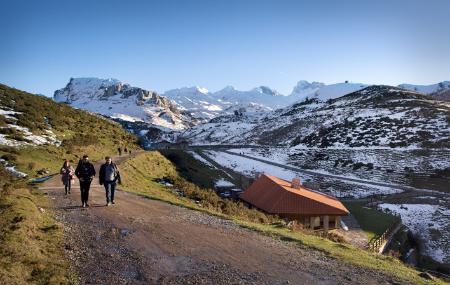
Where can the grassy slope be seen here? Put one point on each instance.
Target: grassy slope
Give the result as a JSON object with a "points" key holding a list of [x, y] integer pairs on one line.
{"points": [[80, 132], [192, 169], [31, 241], [373, 222], [139, 174]]}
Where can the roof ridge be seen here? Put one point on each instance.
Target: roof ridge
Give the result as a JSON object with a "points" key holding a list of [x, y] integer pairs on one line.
{"points": [[294, 191], [303, 187]]}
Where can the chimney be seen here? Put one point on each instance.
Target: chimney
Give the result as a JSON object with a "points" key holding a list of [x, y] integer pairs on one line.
{"points": [[296, 184]]}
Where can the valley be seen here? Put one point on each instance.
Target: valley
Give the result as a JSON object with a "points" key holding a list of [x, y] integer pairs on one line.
{"points": [[377, 148], [225, 142], [350, 140]]}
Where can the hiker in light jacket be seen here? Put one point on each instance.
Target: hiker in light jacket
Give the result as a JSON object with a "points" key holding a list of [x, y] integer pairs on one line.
{"points": [[109, 177], [85, 172], [67, 173]]}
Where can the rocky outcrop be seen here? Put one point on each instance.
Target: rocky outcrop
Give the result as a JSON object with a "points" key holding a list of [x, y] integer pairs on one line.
{"points": [[115, 99]]}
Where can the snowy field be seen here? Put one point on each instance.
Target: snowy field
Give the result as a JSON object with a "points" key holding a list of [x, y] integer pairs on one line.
{"points": [[47, 137], [332, 186], [249, 167], [430, 222], [201, 159], [414, 168]]}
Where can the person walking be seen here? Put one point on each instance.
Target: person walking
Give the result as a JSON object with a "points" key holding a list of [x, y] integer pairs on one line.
{"points": [[85, 172], [109, 177], [67, 172], [119, 150]]}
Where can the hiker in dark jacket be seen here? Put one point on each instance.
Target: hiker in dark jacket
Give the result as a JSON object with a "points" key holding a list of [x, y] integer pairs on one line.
{"points": [[67, 173], [109, 177], [85, 172]]}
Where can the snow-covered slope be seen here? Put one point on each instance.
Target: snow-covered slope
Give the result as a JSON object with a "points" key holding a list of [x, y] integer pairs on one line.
{"points": [[115, 99], [323, 92], [377, 117], [197, 101], [263, 96], [426, 89]]}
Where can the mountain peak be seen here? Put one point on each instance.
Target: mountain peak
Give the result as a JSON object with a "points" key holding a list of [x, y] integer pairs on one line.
{"points": [[186, 91], [266, 90], [303, 85]]}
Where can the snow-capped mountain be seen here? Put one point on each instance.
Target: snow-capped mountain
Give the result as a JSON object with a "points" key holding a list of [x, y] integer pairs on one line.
{"points": [[426, 89], [205, 105], [374, 117], [198, 101], [112, 98], [259, 115], [439, 91], [323, 92], [261, 95]]}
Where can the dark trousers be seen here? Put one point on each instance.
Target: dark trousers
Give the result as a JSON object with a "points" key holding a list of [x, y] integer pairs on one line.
{"points": [[68, 186], [84, 189], [110, 188]]}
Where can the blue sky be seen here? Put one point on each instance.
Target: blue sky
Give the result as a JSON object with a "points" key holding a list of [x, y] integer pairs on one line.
{"points": [[161, 45]]}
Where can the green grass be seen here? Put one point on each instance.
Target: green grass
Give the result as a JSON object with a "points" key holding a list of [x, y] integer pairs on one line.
{"points": [[31, 241], [80, 132], [373, 222], [139, 174], [192, 169]]}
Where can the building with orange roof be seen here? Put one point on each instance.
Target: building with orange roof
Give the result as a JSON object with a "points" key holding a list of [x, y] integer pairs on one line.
{"points": [[306, 207]]}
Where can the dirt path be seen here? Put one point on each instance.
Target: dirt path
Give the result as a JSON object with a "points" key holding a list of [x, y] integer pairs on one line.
{"points": [[141, 241]]}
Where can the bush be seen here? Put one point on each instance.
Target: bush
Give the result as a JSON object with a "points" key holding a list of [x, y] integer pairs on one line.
{"points": [[9, 157], [207, 198], [31, 165], [8, 149]]}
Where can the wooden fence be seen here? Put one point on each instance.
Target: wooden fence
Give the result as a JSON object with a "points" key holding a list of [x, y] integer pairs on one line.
{"points": [[377, 241]]}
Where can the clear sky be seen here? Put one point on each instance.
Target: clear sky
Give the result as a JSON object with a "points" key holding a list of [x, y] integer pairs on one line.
{"points": [[161, 45]]}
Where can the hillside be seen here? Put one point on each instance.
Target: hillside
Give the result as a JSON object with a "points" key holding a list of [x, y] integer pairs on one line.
{"points": [[37, 133], [426, 89], [374, 117], [128, 227]]}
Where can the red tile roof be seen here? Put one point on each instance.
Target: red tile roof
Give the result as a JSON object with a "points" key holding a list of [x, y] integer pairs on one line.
{"points": [[276, 196]]}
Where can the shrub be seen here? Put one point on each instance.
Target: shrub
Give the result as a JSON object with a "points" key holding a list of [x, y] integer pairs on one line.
{"points": [[9, 157], [8, 149], [31, 165]]}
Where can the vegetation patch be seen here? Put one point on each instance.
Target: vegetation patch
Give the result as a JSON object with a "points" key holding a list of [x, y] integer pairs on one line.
{"points": [[192, 169], [31, 241], [373, 222], [79, 131], [142, 173]]}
